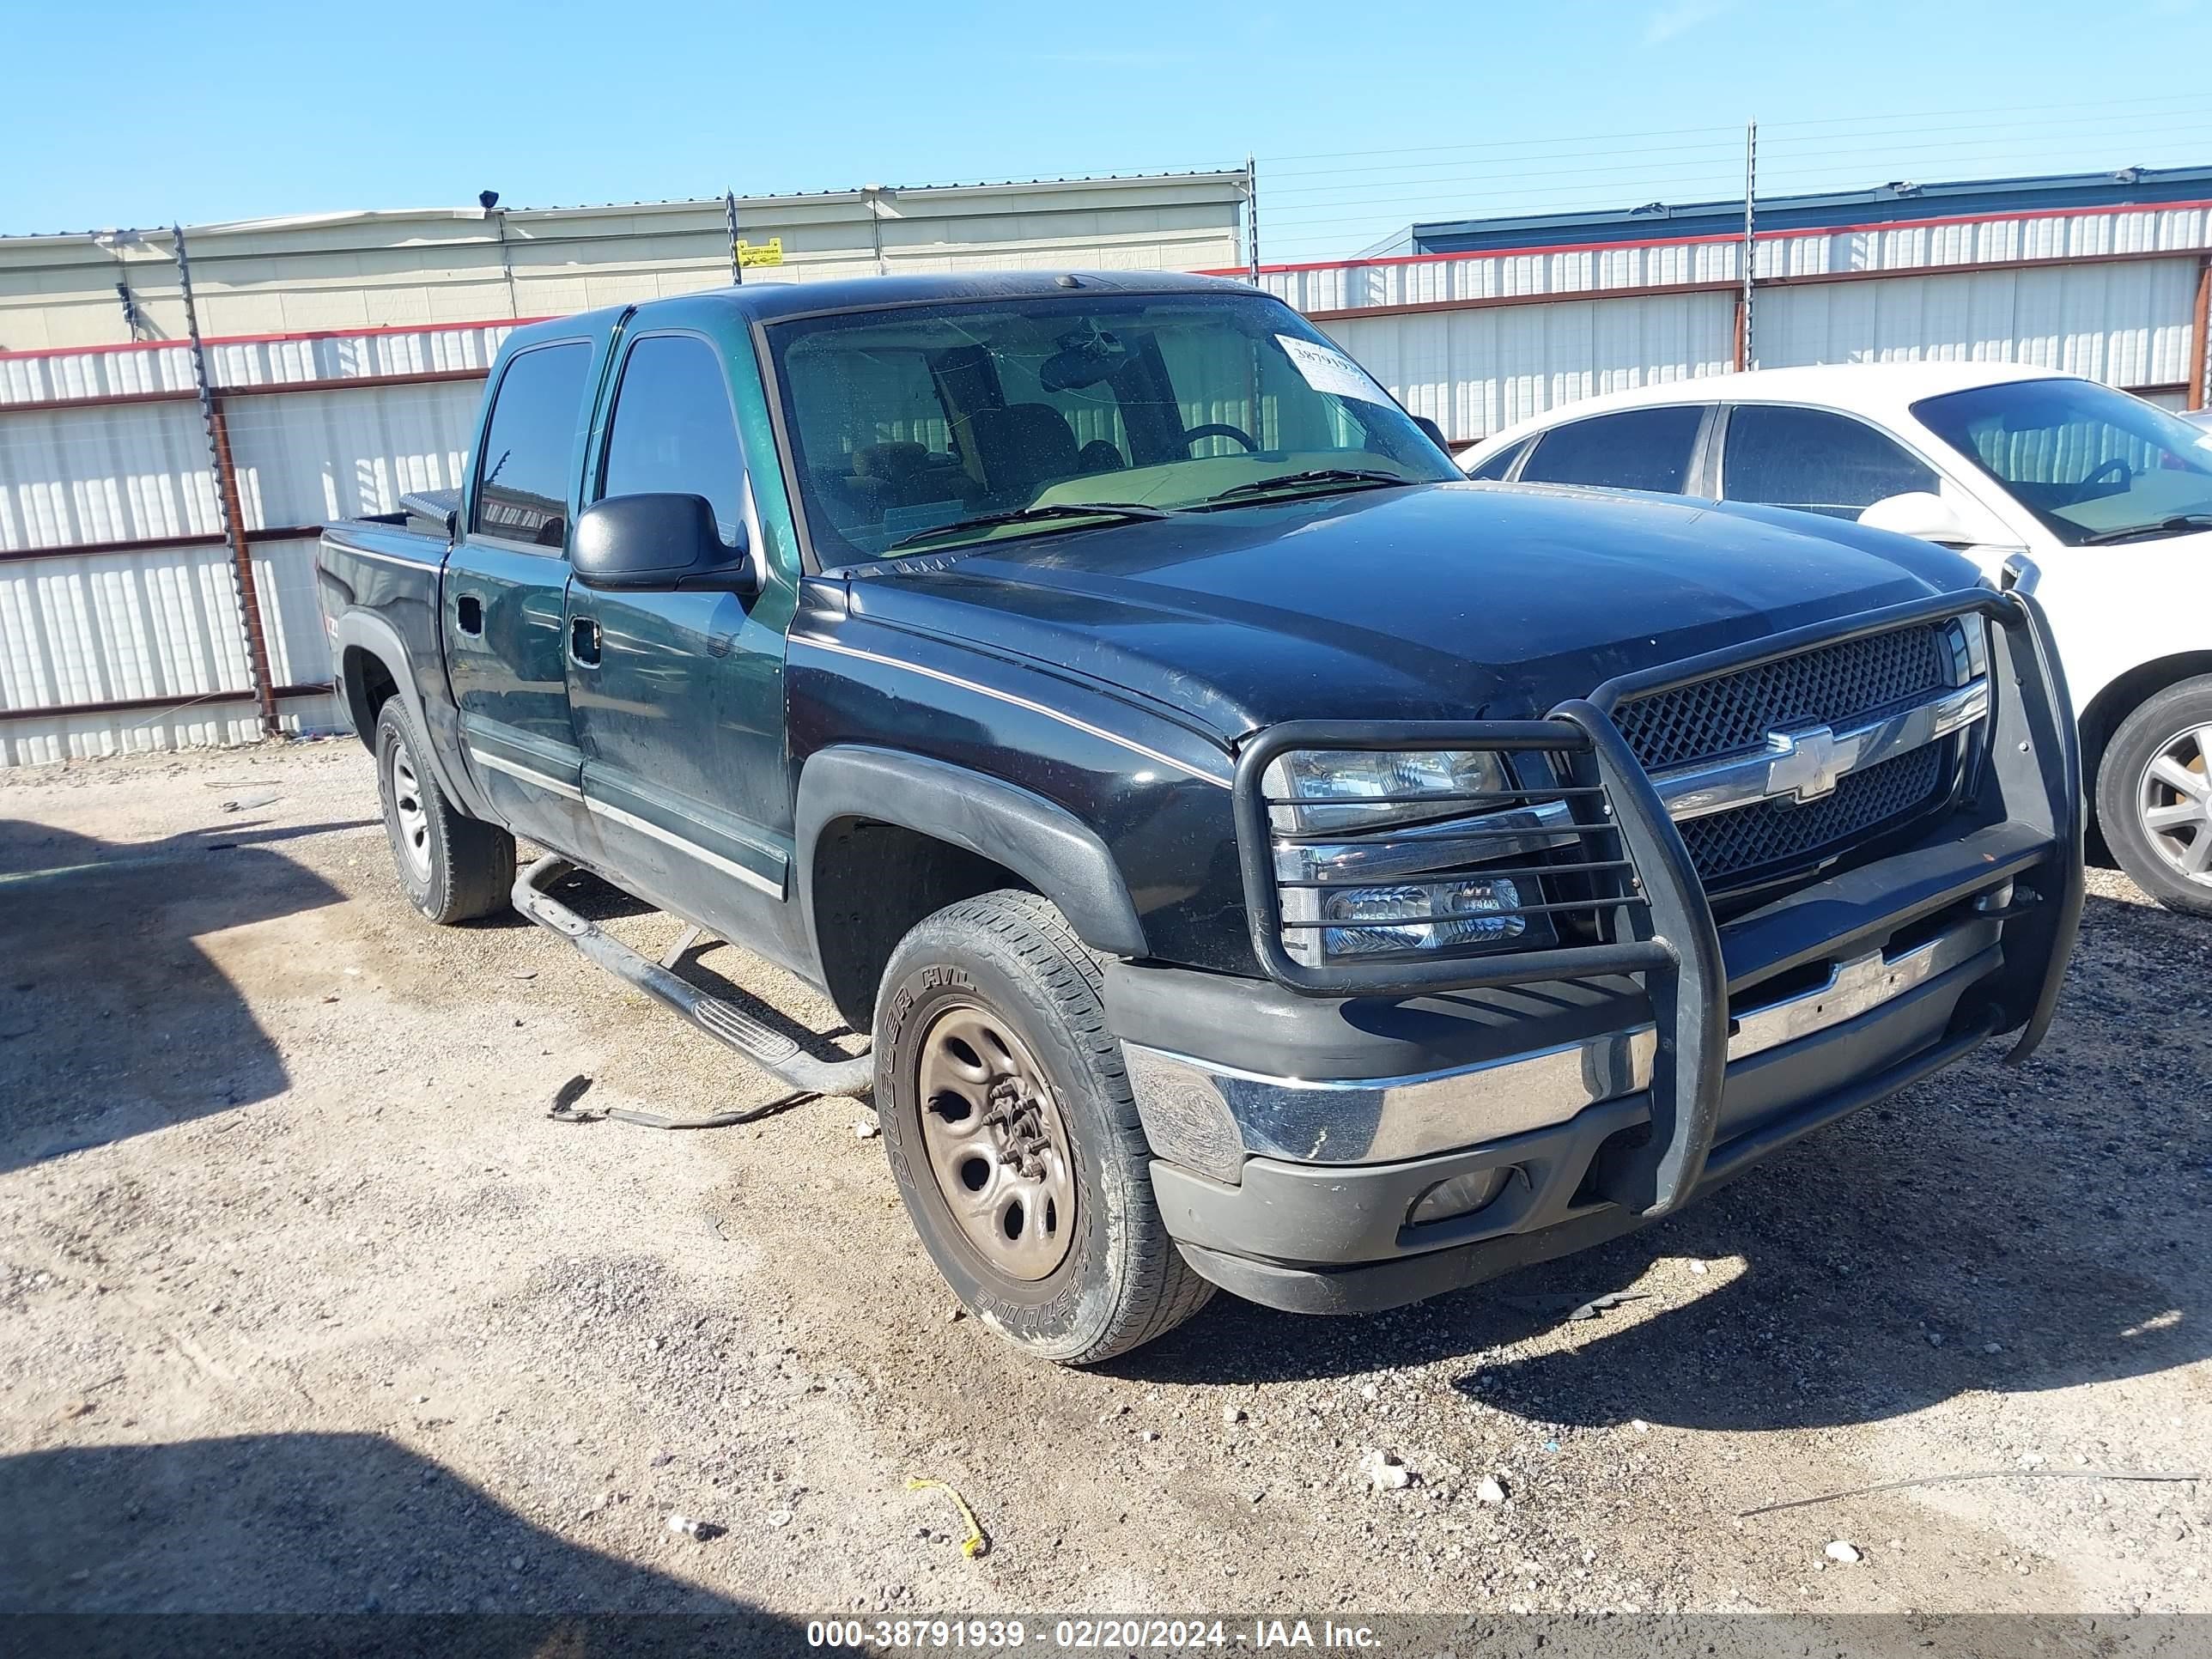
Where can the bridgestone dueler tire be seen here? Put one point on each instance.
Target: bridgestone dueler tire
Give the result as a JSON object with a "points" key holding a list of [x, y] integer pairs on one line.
{"points": [[1122, 1282], [2179, 709], [470, 865]]}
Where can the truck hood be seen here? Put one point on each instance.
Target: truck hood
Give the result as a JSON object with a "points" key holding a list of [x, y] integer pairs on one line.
{"points": [[1449, 601]]}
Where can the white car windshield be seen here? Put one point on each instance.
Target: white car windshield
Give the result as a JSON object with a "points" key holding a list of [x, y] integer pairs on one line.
{"points": [[922, 428], [2094, 464]]}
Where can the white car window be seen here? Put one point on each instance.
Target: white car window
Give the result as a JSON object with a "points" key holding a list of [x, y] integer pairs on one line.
{"points": [[2092, 464], [1814, 461], [1501, 462], [1635, 449]]}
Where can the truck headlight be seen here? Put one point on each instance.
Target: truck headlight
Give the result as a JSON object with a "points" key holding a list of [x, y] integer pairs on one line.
{"points": [[1427, 916], [1319, 790]]}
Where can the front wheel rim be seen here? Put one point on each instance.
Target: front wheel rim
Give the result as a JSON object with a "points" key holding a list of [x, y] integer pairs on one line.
{"points": [[410, 814], [995, 1143], [2174, 803]]}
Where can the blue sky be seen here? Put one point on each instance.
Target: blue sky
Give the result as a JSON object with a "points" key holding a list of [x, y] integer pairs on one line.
{"points": [[134, 113]]}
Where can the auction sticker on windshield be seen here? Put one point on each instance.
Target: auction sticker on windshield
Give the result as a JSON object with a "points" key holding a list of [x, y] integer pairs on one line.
{"points": [[1327, 370]]}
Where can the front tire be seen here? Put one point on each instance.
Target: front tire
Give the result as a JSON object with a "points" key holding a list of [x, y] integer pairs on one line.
{"points": [[2154, 796], [453, 867], [1014, 1137]]}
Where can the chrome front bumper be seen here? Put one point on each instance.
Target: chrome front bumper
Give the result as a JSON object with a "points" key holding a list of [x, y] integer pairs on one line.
{"points": [[1209, 1117]]}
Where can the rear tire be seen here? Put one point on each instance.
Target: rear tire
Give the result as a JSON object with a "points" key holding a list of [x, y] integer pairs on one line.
{"points": [[453, 867], [1014, 1137], [2154, 796]]}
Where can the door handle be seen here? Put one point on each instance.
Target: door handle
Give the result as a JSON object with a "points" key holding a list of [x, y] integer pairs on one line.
{"points": [[584, 642], [468, 616]]}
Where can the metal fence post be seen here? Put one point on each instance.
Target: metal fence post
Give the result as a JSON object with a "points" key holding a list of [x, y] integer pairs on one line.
{"points": [[2200, 316], [1252, 217], [1746, 350], [229, 512], [730, 217]]}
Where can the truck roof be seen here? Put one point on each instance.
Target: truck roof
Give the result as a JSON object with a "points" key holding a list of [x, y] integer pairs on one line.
{"points": [[767, 300]]}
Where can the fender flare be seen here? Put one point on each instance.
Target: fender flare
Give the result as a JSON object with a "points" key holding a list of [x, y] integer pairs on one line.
{"points": [[366, 631], [1046, 845]]}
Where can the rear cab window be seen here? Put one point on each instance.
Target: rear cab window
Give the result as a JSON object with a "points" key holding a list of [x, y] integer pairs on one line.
{"points": [[1814, 461], [529, 452], [1636, 449]]}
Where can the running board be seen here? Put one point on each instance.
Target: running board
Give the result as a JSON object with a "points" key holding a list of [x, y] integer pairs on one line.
{"points": [[772, 1051]]}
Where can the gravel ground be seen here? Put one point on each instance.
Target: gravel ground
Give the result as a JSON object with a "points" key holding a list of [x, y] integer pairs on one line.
{"points": [[307, 1304]]}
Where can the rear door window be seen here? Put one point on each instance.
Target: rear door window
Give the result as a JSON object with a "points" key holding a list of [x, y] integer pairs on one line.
{"points": [[1814, 461], [530, 446], [1636, 449]]}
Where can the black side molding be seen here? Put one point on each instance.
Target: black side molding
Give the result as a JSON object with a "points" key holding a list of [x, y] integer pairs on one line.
{"points": [[1046, 845]]}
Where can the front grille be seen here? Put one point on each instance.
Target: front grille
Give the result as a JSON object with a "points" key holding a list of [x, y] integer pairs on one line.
{"points": [[1829, 685], [1838, 686], [1728, 844]]}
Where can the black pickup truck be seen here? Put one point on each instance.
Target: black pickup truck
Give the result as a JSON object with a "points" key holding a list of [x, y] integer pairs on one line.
{"points": [[1260, 857]]}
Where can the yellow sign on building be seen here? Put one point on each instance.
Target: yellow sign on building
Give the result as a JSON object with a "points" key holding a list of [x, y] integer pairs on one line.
{"points": [[769, 253]]}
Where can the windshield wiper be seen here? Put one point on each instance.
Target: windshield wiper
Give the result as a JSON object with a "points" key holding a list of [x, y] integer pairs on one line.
{"points": [[2179, 524], [1320, 475], [1114, 512]]}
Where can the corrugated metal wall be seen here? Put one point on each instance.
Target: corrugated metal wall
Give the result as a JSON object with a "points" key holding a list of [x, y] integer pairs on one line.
{"points": [[1479, 341], [138, 603]]}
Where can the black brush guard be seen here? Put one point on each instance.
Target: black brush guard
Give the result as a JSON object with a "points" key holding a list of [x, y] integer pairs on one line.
{"points": [[1660, 924]]}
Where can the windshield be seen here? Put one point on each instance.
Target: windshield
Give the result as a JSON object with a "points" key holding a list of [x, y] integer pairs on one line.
{"points": [[923, 428], [2092, 464]]}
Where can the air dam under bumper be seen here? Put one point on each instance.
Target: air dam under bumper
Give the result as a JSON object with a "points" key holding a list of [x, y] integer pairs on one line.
{"points": [[1337, 1237], [1320, 1237]]}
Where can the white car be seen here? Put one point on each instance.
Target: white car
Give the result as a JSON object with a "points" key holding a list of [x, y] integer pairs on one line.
{"points": [[2107, 497]]}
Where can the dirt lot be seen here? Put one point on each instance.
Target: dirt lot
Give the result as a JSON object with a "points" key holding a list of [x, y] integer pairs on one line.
{"points": [[306, 1304]]}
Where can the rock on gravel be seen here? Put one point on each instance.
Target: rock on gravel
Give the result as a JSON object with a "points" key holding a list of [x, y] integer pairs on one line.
{"points": [[1839, 1550], [1388, 1474]]}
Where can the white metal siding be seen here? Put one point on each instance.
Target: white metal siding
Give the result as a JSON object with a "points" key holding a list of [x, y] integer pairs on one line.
{"points": [[1601, 326], [308, 456], [119, 625], [122, 473], [1475, 372], [2127, 325]]}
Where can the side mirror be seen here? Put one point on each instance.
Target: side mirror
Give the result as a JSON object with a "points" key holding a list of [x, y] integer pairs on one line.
{"points": [[659, 542], [1436, 433], [1918, 513], [2020, 574]]}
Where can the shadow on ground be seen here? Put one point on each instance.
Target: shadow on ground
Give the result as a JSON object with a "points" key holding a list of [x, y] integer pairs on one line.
{"points": [[98, 941], [352, 1528], [2056, 1213]]}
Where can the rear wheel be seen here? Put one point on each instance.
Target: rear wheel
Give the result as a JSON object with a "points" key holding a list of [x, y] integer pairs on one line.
{"points": [[1014, 1137], [2154, 796], [454, 868]]}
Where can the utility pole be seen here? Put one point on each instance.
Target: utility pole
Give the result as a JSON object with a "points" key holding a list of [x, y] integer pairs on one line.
{"points": [[228, 511], [1747, 355]]}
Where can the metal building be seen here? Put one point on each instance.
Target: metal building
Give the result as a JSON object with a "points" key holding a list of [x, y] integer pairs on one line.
{"points": [[2104, 274], [344, 353]]}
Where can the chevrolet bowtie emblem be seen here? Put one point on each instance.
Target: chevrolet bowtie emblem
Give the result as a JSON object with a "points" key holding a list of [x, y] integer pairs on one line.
{"points": [[1801, 764]]}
